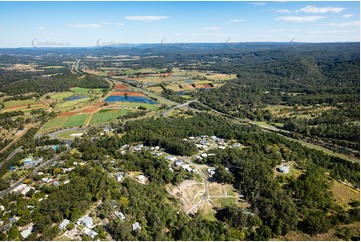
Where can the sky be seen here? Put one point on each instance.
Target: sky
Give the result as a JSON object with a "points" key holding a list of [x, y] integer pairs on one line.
{"points": [[86, 24]]}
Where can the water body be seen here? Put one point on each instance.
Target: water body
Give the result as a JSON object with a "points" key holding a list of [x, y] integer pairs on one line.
{"points": [[129, 99], [75, 97]]}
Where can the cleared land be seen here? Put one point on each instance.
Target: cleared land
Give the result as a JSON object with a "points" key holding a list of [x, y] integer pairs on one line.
{"points": [[344, 194], [107, 115]]}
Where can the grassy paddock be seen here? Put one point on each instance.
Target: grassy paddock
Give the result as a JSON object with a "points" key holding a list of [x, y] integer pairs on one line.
{"points": [[108, 115]]}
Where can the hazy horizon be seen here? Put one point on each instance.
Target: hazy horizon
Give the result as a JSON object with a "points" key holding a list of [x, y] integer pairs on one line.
{"points": [[89, 24]]}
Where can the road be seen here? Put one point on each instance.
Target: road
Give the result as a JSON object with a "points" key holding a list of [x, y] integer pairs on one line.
{"points": [[283, 133], [21, 180], [19, 149], [166, 113], [16, 139], [54, 135]]}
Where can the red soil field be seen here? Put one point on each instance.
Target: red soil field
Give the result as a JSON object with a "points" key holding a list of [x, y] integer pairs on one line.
{"points": [[130, 94], [68, 114], [120, 87], [89, 110]]}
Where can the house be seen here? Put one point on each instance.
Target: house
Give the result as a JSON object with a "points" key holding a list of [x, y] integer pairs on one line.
{"points": [[64, 224], [23, 189], [120, 215], [141, 178], [119, 177], [284, 168], [204, 155], [170, 158], [86, 221], [189, 169], [179, 162], [26, 232], [211, 171], [90, 233], [222, 147], [236, 145], [136, 226], [185, 166]]}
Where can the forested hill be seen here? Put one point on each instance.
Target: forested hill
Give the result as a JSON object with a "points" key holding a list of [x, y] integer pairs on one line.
{"points": [[319, 76]]}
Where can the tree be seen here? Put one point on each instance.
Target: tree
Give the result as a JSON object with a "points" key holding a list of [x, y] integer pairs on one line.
{"points": [[14, 233], [316, 222]]}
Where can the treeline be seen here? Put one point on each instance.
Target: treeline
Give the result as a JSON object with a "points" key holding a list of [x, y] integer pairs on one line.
{"points": [[341, 124], [53, 84]]}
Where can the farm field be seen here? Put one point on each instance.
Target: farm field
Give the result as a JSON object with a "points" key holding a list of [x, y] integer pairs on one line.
{"points": [[22, 105], [57, 122], [136, 105], [76, 120], [107, 115]]}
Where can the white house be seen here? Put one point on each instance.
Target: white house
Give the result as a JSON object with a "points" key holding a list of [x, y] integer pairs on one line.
{"points": [[86, 221], [136, 226], [141, 178], [26, 232], [64, 224], [120, 215]]}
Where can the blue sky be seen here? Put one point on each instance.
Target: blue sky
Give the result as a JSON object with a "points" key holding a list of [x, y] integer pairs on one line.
{"points": [[74, 24]]}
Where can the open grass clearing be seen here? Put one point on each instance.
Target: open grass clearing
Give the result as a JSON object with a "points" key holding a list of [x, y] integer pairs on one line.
{"points": [[68, 135], [344, 194], [156, 89]]}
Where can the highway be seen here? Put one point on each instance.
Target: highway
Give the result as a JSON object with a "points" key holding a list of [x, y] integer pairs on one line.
{"points": [[21, 180], [17, 150]]}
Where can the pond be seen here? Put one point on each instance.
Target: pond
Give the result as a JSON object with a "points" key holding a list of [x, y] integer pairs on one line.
{"points": [[129, 99]]}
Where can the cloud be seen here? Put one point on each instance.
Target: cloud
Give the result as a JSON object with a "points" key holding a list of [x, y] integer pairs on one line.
{"points": [[147, 19], [40, 28], [86, 26], [258, 3], [341, 25], [313, 9], [213, 28], [236, 21], [283, 11], [119, 24], [347, 15], [296, 19]]}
